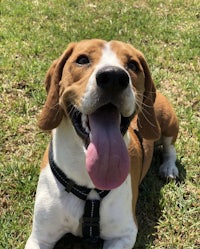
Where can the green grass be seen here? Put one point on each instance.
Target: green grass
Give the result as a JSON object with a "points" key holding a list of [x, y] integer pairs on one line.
{"points": [[33, 33]]}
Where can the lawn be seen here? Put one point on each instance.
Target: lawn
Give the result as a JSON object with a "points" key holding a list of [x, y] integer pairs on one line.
{"points": [[33, 34]]}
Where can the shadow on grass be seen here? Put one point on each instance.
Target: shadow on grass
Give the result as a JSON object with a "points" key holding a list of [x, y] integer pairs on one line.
{"points": [[148, 205], [148, 209]]}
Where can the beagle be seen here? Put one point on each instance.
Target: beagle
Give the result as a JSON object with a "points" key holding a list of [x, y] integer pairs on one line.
{"points": [[105, 116]]}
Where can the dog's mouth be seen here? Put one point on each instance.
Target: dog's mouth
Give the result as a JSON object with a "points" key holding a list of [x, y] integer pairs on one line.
{"points": [[107, 160], [81, 123]]}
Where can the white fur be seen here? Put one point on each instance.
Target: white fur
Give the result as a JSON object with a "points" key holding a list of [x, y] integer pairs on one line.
{"points": [[168, 168], [58, 212]]}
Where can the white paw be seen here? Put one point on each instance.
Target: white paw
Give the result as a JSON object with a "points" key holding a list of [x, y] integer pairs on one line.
{"points": [[168, 170]]}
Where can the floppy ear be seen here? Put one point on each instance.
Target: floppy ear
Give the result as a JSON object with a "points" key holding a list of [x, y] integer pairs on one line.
{"points": [[147, 121], [52, 113]]}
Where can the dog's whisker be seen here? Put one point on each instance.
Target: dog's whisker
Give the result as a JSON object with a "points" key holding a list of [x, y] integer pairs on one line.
{"points": [[144, 115]]}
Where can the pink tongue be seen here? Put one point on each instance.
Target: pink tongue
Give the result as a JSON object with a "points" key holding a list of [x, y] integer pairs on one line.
{"points": [[107, 159]]}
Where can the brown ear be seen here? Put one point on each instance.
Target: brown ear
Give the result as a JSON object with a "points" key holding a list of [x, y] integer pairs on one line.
{"points": [[52, 113], [147, 121]]}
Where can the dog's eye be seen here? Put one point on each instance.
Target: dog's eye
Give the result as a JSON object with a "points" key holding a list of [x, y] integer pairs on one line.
{"points": [[82, 60], [133, 65]]}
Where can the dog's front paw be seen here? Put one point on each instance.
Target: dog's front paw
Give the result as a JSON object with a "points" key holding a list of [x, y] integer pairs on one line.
{"points": [[120, 243], [168, 170], [36, 244]]}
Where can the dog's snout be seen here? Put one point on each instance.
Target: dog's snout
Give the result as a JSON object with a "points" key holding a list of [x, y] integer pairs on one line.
{"points": [[112, 78]]}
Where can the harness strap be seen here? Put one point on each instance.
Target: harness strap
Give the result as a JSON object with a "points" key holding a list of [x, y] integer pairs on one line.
{"points": [[91, 218], [70, 186], [137, 133]]}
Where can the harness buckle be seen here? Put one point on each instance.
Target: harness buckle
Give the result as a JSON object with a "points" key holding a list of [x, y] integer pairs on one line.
{"points": [[69, 186]]}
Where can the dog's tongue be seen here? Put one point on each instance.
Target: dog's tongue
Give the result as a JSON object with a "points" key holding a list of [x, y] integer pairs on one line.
{"points": [[107, 159]]}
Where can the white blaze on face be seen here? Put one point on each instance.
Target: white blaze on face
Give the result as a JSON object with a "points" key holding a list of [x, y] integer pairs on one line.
{"points": [[109, 58]]}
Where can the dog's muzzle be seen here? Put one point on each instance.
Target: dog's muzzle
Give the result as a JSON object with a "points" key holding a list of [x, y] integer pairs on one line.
{"points": [[111, 80], [81, 123], [102, 130]]}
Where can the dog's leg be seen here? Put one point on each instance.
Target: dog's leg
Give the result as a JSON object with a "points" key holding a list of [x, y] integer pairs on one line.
{"points": [[50, 212], [125, 241], [33, 244], [120, 243], [168, 168], [40, 238]]}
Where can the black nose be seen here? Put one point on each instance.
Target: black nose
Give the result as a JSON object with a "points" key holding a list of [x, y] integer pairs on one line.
{"points": [[112, 78]]}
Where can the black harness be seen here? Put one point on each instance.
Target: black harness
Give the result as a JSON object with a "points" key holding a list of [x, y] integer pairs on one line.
{"points": [[91, 217]]}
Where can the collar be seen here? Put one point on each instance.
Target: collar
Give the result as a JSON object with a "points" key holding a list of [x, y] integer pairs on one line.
{"points": [[70, 186]]}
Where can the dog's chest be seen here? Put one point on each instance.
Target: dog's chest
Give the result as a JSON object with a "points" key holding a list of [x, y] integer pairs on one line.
{"points": [[66, 210]]}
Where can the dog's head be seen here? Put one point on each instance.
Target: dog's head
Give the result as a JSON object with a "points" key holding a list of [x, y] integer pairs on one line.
{"points": [[101, 86]]}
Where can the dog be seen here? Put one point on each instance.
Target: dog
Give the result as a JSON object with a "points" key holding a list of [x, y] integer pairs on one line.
{"points": [[105, 116]]}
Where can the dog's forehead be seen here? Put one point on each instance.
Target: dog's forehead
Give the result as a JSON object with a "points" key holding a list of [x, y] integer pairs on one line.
{"points": [[110, 49], [122, 49], [93, 46]]}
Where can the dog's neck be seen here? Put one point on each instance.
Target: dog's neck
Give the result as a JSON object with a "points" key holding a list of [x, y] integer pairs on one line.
{"points": [[69, 153]]}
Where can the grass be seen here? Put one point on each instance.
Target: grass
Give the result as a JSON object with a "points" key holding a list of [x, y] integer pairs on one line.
{"points": [[33, 34]]}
